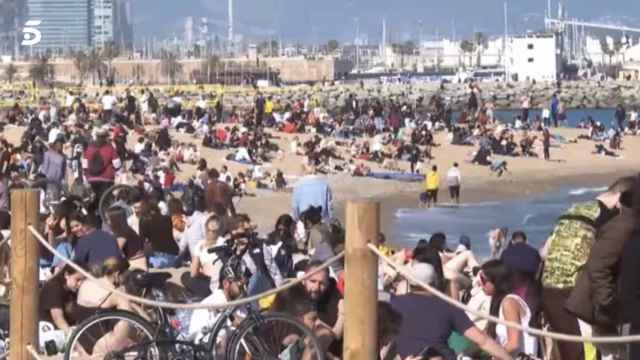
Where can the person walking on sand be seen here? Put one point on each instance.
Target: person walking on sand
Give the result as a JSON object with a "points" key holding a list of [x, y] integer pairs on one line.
{"points": [[454, 180], [432, 185], [546, 143], [554, 109], [526, 103]]}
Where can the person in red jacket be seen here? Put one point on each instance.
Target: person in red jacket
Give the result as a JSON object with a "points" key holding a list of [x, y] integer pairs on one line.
{"points": [[100, 163]]}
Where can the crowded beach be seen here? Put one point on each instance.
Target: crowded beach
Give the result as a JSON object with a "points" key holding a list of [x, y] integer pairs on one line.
{"points": [[236, 193]]}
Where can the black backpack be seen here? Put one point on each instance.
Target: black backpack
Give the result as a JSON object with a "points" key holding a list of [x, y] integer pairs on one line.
{"points": [[96, 164]]}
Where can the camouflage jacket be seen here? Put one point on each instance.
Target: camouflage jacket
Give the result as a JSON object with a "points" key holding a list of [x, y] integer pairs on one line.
{"points": [[569, 245]]}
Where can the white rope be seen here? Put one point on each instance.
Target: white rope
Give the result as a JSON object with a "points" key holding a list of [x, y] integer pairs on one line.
{"points": [[33, 352], [401, 269], [170, 305]]}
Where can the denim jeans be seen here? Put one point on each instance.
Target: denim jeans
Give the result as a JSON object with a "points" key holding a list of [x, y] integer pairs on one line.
{"points": [[160, 260]]}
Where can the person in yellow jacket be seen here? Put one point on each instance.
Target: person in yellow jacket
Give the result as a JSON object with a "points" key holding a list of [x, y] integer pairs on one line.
{"points": [[432, 185]]}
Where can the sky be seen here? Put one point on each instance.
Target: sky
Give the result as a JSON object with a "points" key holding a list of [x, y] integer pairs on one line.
{"points": [[320, 20]]}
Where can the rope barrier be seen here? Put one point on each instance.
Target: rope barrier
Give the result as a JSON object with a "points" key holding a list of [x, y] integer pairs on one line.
{"points": [[33, 352], [170, 305], [401, 269]]}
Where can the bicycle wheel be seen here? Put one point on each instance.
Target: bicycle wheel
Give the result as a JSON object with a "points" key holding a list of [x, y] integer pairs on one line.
{"points": [[214, 338], [274, 336], [112, 335], [109, 197]]}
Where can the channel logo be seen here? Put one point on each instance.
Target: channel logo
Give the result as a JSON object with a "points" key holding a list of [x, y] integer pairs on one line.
{"points": [[30, 33]]}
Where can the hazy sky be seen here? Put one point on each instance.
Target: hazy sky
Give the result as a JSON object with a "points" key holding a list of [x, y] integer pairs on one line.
{"points": [[309, 20]]}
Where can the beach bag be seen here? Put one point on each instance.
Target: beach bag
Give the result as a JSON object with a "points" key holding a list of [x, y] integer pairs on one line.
{"points": [[569, 245], [96, 164]]}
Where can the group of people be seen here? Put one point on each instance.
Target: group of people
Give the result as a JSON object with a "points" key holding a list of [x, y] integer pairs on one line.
{"points": [[76, 152]]}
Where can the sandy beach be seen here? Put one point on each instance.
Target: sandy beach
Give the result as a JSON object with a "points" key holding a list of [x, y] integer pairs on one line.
{"points": [[572, 165]]}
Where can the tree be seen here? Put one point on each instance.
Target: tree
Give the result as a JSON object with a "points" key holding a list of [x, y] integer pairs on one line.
{"points": [[268, 48], [610, 51], [480, 42], [332, 46], [468, 48], [137, 73], [10, 72], [96, 66], [408, 48], [107, 54], [42, 70], [81, 62], [169, 65], [210, 68]]}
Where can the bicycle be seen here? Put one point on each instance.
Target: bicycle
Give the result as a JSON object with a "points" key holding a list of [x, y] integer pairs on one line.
{"points": [[258, 336]]}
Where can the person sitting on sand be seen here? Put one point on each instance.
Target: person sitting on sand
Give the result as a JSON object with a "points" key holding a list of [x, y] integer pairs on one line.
{"points": [[602, 150], [498, 167]]}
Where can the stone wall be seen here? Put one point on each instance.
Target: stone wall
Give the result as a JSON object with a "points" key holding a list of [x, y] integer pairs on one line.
{"points": [[292, 70]]}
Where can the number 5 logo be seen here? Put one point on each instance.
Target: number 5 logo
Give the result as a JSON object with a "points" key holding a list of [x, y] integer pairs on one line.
{"points": [[32, 36]]}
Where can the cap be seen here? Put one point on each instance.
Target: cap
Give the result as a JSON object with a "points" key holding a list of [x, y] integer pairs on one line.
{"points": [[423, 272]]}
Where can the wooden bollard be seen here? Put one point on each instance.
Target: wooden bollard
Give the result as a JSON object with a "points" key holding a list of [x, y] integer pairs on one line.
{"points": [[24, 273], [361, 281]]}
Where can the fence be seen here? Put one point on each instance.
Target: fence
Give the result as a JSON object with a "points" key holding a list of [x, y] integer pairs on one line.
{"points": [[361, 286]]}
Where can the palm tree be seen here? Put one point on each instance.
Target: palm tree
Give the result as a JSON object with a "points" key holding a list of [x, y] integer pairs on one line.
{"points": [[42, 70], [81, 62], [95, 66], [137, 72], [468, 48], [10, 72], [480, 42], [332, 46], [108, 53], [210, 67], [607, 50], [170, 66]]}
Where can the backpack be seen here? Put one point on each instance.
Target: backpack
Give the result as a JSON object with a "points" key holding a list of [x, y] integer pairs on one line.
{"points": [[97, 164], [570, 245]]}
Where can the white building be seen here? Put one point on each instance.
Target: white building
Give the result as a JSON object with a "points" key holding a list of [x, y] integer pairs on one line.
{"points": [[534, 57]]}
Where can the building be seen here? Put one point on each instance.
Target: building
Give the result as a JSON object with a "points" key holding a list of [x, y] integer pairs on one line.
{"points": [[65, 24], [534, 57], [123, 25], [11, 20], [102, 23]]}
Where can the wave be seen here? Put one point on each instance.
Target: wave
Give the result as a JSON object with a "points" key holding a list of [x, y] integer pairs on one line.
{"points": [[582, 191], [444, 206]]}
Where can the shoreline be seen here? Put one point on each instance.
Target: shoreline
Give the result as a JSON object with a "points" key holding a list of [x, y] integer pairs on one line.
{"points": [[488, 192]]}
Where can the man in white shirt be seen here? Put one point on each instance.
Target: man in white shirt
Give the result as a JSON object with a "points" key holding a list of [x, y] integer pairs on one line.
{"points": [[108, 101], [233, 287], [454, 180], [226, 176], [134, 220]]}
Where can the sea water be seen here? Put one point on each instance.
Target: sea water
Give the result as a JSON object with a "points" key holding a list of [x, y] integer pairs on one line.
{"points": [[574, 116], [535, 216]]}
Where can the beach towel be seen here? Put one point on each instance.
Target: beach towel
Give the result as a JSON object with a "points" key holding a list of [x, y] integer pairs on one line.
{"points": [[398, 176]]}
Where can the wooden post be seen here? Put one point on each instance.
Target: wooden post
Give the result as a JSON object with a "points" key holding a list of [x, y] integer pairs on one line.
{"points": [[24, 273], [361, 281]]}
